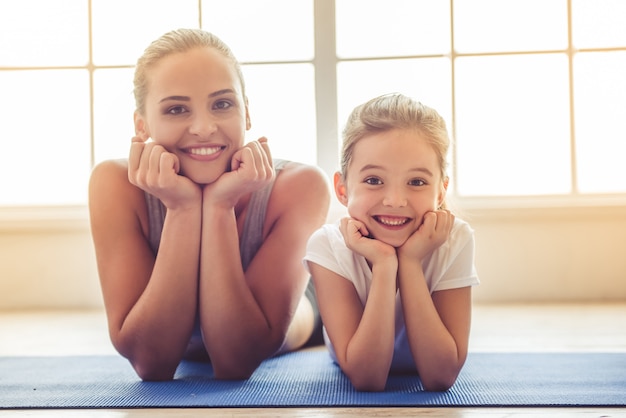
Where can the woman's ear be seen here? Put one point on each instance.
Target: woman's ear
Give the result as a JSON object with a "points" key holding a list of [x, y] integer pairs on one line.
{"points": [[248, 122], [141, 128], [340, 188]]}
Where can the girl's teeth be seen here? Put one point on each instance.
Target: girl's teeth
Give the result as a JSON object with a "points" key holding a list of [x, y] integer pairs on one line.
{"points": [[392, 222]]}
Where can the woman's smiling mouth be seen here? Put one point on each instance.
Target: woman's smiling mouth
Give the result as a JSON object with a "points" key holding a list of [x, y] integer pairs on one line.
{"points": [[204, 151]]}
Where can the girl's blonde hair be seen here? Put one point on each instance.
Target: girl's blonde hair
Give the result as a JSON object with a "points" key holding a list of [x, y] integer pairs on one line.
{"points": [[176, 41], [395, 111]]}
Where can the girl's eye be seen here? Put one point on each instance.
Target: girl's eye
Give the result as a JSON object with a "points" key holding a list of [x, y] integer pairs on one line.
{"points": [[417, 182], [176, 110], [373, 181]]}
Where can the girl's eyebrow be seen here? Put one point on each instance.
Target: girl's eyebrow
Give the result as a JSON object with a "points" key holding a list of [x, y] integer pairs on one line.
{"points": [[422, 170], [186, 98], [378, 167]]}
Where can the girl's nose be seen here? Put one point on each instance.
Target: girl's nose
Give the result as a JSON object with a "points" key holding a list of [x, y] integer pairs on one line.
{"points": [[394, 197], [203, 125]]}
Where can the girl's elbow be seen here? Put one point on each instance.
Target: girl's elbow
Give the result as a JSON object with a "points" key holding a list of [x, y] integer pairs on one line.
{"points": [[439, 383], [368, 383], [369, 386]]}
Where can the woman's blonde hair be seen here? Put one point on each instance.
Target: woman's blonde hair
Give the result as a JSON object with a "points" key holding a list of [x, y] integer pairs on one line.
{"points": [[395, 111], [176, 41]]}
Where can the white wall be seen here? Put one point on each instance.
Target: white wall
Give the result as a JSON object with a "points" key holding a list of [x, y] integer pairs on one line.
{"points": [[555, 254]]}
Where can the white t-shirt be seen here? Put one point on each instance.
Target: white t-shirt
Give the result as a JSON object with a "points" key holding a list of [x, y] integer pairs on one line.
{"points": [[450, 266]]}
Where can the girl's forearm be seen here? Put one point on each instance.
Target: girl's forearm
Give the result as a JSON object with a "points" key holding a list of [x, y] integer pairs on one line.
{"points": [[433, 347], [370, 351]]}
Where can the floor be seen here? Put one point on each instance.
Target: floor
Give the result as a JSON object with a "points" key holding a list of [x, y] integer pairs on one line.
{"points": [[540, 327]]}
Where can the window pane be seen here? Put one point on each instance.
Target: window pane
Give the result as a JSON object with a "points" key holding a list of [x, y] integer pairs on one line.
{"points": [[600, 97], [282, 108], [599, 23], [512, 117], [427, 80], [45, 138], [123, 29], [510, 25], [43, 33], [114, 105], [392, 28], [269, 30]]}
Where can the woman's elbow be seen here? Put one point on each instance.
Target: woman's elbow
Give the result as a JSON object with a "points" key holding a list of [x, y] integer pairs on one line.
{"points": [[148, 366], [150, 371], [237, 372]]}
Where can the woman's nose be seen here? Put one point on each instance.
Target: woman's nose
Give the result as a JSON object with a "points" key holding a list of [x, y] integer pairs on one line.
{"points": [[203, 125]]}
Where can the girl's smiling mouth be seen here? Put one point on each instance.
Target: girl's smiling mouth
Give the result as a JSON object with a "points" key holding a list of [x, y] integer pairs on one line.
{"points": [[391, 221]]}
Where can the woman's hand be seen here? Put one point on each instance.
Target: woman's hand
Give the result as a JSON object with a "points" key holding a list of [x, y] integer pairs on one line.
{"points": [[155, 170], [434, 231], [251, 169], [356, 236]]}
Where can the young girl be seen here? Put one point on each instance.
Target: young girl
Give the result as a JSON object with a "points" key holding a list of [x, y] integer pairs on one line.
{"points": [[394, 279], [199, 237]]}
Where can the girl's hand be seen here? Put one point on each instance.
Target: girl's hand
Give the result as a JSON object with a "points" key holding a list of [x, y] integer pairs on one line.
{"points": [[356, 236], [251, 169], [434, 231], [155, 170]]}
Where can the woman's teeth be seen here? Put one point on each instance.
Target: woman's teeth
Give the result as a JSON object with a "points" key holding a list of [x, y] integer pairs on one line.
{"points": [[204, 151]]}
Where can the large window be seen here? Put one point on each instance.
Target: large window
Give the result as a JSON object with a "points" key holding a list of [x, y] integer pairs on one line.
{"points": [[533, 91]]}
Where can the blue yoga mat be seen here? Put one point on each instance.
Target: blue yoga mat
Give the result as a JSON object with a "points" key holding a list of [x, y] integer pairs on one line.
{"points": [[310, 379]]}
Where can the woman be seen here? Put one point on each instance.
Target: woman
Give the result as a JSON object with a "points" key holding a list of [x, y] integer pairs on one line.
{"points": [[199, 236]]}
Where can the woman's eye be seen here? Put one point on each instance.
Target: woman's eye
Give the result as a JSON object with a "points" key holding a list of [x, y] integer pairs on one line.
{"points": [[417, 182], [373, 181], [176, 110], [222, 105]]}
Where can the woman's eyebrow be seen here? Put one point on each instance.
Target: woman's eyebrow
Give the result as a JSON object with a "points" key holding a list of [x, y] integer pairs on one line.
{"points": [[223, 91], [187, 98], [177, 98]]}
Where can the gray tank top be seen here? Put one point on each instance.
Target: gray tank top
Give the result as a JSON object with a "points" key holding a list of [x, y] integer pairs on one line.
{"points": [[252, 236]]}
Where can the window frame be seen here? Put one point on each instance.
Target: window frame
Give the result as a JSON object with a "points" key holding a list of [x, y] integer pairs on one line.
{"points": [[325, 62]]}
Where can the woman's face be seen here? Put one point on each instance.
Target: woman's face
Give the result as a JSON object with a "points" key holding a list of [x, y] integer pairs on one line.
{"points": [[196, 110], [393, 180]]}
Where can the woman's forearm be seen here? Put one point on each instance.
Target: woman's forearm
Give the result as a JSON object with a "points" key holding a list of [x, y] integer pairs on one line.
{"points": [[156, 331]]}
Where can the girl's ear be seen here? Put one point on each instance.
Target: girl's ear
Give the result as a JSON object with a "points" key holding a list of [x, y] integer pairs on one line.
{"points": [[141, 128], [340, 188], [442, 191]]}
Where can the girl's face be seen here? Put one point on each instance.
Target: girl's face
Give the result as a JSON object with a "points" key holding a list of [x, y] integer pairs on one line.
{"points": [[394, 179], [196, 110]]}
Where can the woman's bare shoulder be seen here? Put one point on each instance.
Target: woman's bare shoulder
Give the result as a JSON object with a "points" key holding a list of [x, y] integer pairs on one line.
{"points": [[302, 187], [111, 177], [112, 195]]}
